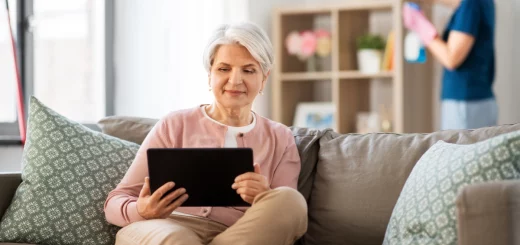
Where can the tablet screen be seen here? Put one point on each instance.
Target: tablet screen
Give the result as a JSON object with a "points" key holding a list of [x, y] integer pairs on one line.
{"points": [[206, 173]]}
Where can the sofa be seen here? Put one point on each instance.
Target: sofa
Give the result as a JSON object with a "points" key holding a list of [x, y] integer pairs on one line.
{"points": [[352, 183]]}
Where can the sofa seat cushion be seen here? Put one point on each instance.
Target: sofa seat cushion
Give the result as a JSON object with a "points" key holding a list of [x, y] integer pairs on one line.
{"points": [[425, 212], [68, 171], [359, 178]]}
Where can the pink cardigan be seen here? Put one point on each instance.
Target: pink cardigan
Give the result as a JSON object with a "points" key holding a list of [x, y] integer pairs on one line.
{"points": [[273, 147]]}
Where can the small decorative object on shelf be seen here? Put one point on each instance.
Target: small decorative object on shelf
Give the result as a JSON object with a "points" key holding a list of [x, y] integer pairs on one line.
{"points": [[370, 53], [374, 122], [388, 58], [309, 45], [318, 115], [367, 122]]}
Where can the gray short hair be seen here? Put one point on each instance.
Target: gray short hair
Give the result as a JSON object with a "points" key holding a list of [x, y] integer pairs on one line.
{"points": [[253, 38]]}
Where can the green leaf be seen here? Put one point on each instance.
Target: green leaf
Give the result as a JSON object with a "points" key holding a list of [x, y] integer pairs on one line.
{"points": [[371, 41]]}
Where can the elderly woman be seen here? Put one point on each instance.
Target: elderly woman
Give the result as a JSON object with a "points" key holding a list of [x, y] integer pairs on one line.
{"points": [[238, 60]]}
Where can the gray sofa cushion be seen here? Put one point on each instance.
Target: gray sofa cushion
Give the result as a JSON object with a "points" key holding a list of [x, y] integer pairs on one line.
{"points": [[8, 184], [133, 129], [359, 178], [308, 147]]}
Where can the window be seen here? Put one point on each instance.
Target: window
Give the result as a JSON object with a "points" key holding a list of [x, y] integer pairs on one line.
{"points": [[66, 58], [69, 57], [8, 80]]}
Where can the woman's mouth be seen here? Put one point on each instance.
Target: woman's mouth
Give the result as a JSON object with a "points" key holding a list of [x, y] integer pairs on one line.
{"points": [[234, 92]]}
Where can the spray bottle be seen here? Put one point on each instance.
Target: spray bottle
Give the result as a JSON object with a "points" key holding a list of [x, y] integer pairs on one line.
{"points": [[414, 50]]}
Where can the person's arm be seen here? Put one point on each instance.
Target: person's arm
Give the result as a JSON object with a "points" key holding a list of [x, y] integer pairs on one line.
{"points": [[288, 170], [451, 54], [121, 204], [286, 173]]}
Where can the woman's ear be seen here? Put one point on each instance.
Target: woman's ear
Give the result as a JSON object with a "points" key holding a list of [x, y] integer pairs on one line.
{"points": [[266, 76]]}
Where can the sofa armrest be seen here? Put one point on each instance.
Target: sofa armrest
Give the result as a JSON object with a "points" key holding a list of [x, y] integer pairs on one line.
{"points": [[489, 213], [9, 182]]}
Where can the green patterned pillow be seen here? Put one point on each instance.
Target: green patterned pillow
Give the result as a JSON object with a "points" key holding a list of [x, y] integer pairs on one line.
{"points": [[67, 173], [425, 212]]}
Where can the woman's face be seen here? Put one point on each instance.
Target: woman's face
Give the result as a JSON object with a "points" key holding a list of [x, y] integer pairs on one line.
{"points": [[235, 76]]}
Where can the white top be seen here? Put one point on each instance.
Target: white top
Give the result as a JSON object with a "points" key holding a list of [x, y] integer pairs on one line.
{"points": [[232, 132]]}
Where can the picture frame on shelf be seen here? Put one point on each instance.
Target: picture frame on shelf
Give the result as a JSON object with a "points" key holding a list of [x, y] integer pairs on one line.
{"points": [[317, 115]]}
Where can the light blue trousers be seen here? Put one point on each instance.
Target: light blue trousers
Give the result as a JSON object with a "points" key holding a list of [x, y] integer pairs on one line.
{"points": [[468, 114]]}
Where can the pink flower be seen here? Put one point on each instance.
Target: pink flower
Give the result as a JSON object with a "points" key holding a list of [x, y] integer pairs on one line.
{"points": [[308, 45], [322, 33], [293, 43]]}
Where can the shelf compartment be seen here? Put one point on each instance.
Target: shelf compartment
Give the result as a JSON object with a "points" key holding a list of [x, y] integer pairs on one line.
{"points": [[316, 9], [350, 97], [299, 23], [359, 75], [306, 76], [302, 91]]}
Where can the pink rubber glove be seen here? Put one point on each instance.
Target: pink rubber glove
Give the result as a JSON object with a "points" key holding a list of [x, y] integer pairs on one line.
{"points": [[418, 23]]}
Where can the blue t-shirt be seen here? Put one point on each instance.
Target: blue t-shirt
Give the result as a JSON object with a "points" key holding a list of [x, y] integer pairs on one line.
{"points": [[473, 79]]}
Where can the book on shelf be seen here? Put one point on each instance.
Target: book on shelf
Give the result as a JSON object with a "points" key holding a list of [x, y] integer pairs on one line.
{"points": [[388, 58]]}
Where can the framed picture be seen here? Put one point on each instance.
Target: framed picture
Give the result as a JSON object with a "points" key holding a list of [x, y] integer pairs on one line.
{"points": [[318, 115]]}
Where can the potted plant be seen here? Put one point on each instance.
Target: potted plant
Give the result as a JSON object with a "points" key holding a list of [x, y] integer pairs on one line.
{"points": [[370, 53]]}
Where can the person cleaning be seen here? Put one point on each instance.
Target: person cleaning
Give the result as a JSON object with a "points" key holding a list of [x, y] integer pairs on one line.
{"points": [[466, 52]]}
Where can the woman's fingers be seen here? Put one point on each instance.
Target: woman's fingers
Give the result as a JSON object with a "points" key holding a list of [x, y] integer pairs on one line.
{"points": [[248, 191], [257, 168], [252, 184], [145, 191], [247, 198], [158, 194], [174, 205], [249, 176], [165, 201]]}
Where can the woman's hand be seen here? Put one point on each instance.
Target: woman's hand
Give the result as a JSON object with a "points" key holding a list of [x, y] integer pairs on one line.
{"points": [[153, 206], [249, 185], [415, 20]]}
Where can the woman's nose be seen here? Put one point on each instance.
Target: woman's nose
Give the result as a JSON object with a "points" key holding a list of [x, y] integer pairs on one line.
{"points": [[235, 78]]}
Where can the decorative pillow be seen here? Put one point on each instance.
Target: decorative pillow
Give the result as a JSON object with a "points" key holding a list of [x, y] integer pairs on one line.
{"points": [[425, 212], [68, 171]]}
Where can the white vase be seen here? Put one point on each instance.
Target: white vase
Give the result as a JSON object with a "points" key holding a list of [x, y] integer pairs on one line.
{"points": [[369, 60]]}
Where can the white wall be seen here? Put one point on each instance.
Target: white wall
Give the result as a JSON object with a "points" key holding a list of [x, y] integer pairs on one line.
{"points": [[507, 82], [157, 41]]}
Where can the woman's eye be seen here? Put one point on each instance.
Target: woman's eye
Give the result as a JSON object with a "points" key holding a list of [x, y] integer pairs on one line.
{"points": [[249, 71], [223, 69]]}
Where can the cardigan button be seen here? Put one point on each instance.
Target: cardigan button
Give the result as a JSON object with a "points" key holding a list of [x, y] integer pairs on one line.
{"points": [[241, 134]]}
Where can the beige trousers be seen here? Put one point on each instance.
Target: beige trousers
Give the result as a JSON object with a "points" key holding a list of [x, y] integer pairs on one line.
{"points": [[278, 216]]}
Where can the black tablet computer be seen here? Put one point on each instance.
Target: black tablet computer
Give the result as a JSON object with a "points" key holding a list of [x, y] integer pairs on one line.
{"points": [[206, 173]]}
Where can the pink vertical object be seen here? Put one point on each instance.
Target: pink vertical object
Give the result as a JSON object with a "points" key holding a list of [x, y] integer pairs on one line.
{"points": [[20, 99]]}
